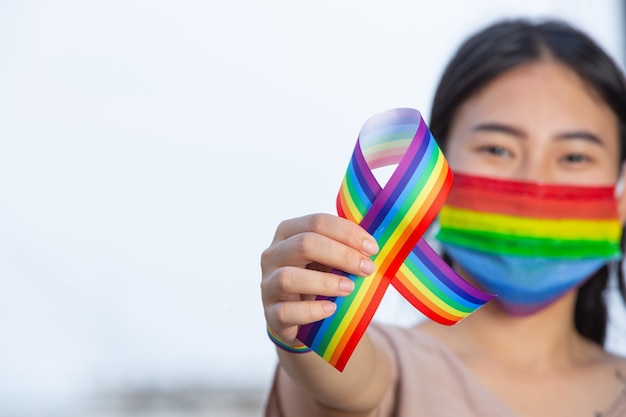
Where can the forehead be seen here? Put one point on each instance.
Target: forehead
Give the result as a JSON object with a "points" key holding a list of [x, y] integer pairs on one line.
{"points": [[545, 96]]}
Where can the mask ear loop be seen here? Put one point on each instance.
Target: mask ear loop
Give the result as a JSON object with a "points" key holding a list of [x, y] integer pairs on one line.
{"points": [[619, 185], [613, 275], [617, 270]]}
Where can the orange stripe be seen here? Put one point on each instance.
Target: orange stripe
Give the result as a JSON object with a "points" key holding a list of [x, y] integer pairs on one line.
{"points": [[529, 200], [345, 208], [355, 337], [377, 281], [520, 205], [417, 219], [406, 283], [383, 269]]}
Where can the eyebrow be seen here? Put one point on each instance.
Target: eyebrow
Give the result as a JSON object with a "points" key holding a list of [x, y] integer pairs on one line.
{"points": [[501, 128], [581, 134], [496, 127]]}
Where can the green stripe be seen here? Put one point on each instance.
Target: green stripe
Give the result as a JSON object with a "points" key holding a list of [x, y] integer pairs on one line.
{"points": [[353, 193], [416, 190], [338, 316], [526, 246], [418, 274]]}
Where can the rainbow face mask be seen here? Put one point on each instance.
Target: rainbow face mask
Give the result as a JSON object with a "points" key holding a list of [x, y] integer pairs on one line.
{"points": [[529, 243]]}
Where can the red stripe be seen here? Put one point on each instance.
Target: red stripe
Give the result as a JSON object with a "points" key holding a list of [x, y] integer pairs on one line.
{"points": [[370, 301], [341, 205], [431, 206], [532, 201], [534, 189], [360, 328], [428, 312], [439, 192], [423, 302]]}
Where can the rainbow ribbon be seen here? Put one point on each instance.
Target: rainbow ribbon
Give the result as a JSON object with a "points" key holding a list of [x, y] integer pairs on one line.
{"points": [[396, 216]]}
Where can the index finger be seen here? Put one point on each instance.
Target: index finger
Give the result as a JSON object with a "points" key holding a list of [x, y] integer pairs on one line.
{"points": [[333, 227]]}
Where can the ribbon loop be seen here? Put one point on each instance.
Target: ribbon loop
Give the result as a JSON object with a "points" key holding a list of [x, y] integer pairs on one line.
{"points": [[396, 216]]}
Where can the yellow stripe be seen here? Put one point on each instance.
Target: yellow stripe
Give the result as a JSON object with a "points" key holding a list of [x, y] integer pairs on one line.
{"points": [[416, 283], [381, 256], [415, 207], [340, 333], [526, 227], [352, 208]]}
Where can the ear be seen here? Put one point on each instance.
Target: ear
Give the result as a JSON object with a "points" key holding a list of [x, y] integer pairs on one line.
{"points": [[620, 195]]}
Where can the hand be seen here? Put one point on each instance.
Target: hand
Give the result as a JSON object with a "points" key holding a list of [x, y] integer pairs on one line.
{"points": [[296, 268]]}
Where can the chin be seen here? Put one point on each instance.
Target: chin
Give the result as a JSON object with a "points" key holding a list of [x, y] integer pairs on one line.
{"points": [[520, 310]]}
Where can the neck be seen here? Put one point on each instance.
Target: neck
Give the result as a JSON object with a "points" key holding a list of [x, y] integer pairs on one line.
{"points": [[546, 339]]}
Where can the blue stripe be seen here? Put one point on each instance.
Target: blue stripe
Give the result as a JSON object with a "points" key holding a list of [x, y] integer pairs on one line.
{"points": [[414, 185], [441, 281], [401, 185]]}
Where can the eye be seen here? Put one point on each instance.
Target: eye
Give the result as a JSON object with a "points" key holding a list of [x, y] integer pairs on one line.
{"points": [[496, 150], [575, 158]]}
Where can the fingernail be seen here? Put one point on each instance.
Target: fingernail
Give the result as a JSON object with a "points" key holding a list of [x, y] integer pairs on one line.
{"points": [[367, 266], [370, 246], [346, 285], [329, 307]]}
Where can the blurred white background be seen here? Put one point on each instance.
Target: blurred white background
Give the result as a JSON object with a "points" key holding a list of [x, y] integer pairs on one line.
{"points": [[148, 149]]}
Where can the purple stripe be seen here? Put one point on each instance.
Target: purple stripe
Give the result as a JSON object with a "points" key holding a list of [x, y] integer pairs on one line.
{"points": [[398, 180], [450, 280], [364, 173], [308, 332], [444, 276], [362, 198]]}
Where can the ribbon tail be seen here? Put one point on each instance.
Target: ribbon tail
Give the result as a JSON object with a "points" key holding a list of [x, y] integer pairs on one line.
{"points": [[435, 289], [336, 337]]}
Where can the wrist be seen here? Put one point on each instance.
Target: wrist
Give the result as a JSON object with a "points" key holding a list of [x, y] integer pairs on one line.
{"points": [[299, 348]]}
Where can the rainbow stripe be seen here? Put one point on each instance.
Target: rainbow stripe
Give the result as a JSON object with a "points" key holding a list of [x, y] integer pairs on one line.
{"points": [[396, 216], [531, 221]]}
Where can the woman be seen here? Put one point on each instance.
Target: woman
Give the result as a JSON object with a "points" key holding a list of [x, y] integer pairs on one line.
{"points": [[521, 106]]}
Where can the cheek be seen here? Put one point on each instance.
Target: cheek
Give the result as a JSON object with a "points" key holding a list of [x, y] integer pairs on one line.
{"points": [[597, 176], [457, 157]]}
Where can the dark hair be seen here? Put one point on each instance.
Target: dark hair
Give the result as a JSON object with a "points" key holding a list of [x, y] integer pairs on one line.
{"points": [[508, 44]]}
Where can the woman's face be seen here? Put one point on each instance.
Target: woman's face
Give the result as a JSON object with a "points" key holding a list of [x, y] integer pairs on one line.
{"points": [[537, 122]]}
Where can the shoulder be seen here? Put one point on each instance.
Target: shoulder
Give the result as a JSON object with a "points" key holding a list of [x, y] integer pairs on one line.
{"points": [[617, 365], [618, 362], [606, 358], [606, 378]]}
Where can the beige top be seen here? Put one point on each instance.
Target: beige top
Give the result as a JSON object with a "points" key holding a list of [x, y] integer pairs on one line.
{"points": [[432, 381]]}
